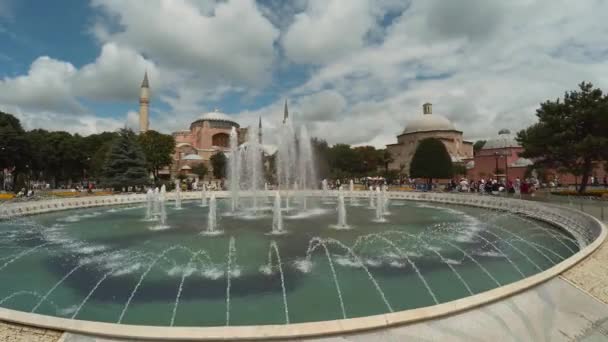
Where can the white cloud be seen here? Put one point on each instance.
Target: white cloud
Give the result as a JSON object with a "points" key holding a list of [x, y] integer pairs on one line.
{"points": [[45, 87], [115, 75], [54, 85], [327, 30], [230, 41]]}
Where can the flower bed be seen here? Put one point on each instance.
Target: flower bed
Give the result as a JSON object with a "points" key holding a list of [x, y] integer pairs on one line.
{"points": [[7, 196]]}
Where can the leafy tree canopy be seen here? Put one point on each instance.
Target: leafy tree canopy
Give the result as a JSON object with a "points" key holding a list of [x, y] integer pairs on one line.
{"points": [[431, 160], [200, 170], [478, 145], [158, 149], [571, 133], [218, 163]]}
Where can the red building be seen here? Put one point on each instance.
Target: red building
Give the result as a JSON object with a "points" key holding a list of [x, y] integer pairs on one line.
{"points": [[499, 158]]}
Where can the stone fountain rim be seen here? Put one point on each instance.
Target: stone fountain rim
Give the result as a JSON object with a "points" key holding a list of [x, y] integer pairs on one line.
{"points": [[283, 331]]}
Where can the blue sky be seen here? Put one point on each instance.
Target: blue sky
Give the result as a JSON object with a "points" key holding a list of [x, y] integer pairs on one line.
{"points": [[354, 71]]}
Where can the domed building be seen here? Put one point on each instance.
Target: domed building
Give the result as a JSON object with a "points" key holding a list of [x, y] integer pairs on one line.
{"points": [[207, 135], [499, 158], [428, 125]]}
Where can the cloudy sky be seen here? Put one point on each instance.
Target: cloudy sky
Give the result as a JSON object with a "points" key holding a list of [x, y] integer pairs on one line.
{"points": [[354, 71]]}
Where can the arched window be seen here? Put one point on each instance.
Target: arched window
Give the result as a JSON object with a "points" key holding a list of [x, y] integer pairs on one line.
{"points": [[220, 139]]}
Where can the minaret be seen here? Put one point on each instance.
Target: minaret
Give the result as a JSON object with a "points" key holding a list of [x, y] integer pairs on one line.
{"points": [[144, 103], [260, 131], [285, 113]]}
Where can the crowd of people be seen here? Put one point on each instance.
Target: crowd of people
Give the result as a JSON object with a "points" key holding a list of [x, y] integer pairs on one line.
{"points": [[495, 186]]}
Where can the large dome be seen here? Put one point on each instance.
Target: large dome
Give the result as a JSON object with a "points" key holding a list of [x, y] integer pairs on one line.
{"points": [[429, 122], [504, 140], [216, 116]]}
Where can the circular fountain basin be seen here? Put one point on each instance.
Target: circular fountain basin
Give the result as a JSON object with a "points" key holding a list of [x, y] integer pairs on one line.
{"points": [[110, 265]]}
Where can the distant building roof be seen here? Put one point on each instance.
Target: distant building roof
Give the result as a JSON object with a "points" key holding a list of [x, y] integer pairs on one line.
{"points": [[216, 116], [504, 140], [193, 157], [428, 122]]}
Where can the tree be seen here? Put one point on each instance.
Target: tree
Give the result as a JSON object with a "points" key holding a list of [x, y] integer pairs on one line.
{"points": [[478, 145], [431, 160], [570, 134], [459, 169], [96, 148], [158, 149], [218, 163], [200, 170], [125, 164], [14, 147], [385, 159], [368, 159]]}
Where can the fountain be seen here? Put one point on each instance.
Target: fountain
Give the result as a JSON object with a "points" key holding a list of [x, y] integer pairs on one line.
{"points": [[277, 216], [234, 169], [156, 201], [372, 205], [354, 200], [178, 194], [162, 214], [379, 206], [341, 214], [203, 195], [149, 204], [212, 228]]}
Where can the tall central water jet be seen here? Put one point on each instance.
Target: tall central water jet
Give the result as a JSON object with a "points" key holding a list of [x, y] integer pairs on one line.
{"points": [[306, 164], [233, 167], [277, 216]]}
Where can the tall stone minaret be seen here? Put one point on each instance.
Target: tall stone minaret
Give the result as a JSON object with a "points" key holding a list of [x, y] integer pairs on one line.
{"points": [[260, 131], [285, 113], [144, 103]]}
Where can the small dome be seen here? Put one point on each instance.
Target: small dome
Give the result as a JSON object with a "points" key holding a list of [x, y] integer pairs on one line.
{"points": [[504, 140], [216, 116], [193, 157], [429, 122]]}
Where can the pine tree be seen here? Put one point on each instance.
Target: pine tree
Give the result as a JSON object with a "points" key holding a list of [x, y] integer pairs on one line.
{"points": [[431, 160], [125, 164]]}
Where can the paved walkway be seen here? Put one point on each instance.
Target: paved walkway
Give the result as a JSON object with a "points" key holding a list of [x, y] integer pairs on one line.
{"points": [[19, 333], [591, 275]]}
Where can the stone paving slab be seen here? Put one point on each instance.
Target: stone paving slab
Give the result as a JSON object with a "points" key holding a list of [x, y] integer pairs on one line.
{"points": [[591, 274], [20, 333], [554, 311]]}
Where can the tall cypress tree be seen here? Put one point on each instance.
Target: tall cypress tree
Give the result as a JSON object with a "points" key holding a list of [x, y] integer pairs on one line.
{"points": [[431, 160], [125, 164]]}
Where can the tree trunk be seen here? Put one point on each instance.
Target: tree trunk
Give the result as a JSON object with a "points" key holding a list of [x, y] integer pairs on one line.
{"points": [[585, 175]]}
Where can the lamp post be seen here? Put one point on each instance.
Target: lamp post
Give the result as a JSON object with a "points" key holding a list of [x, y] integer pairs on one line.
{"points": [[507, 153]]}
